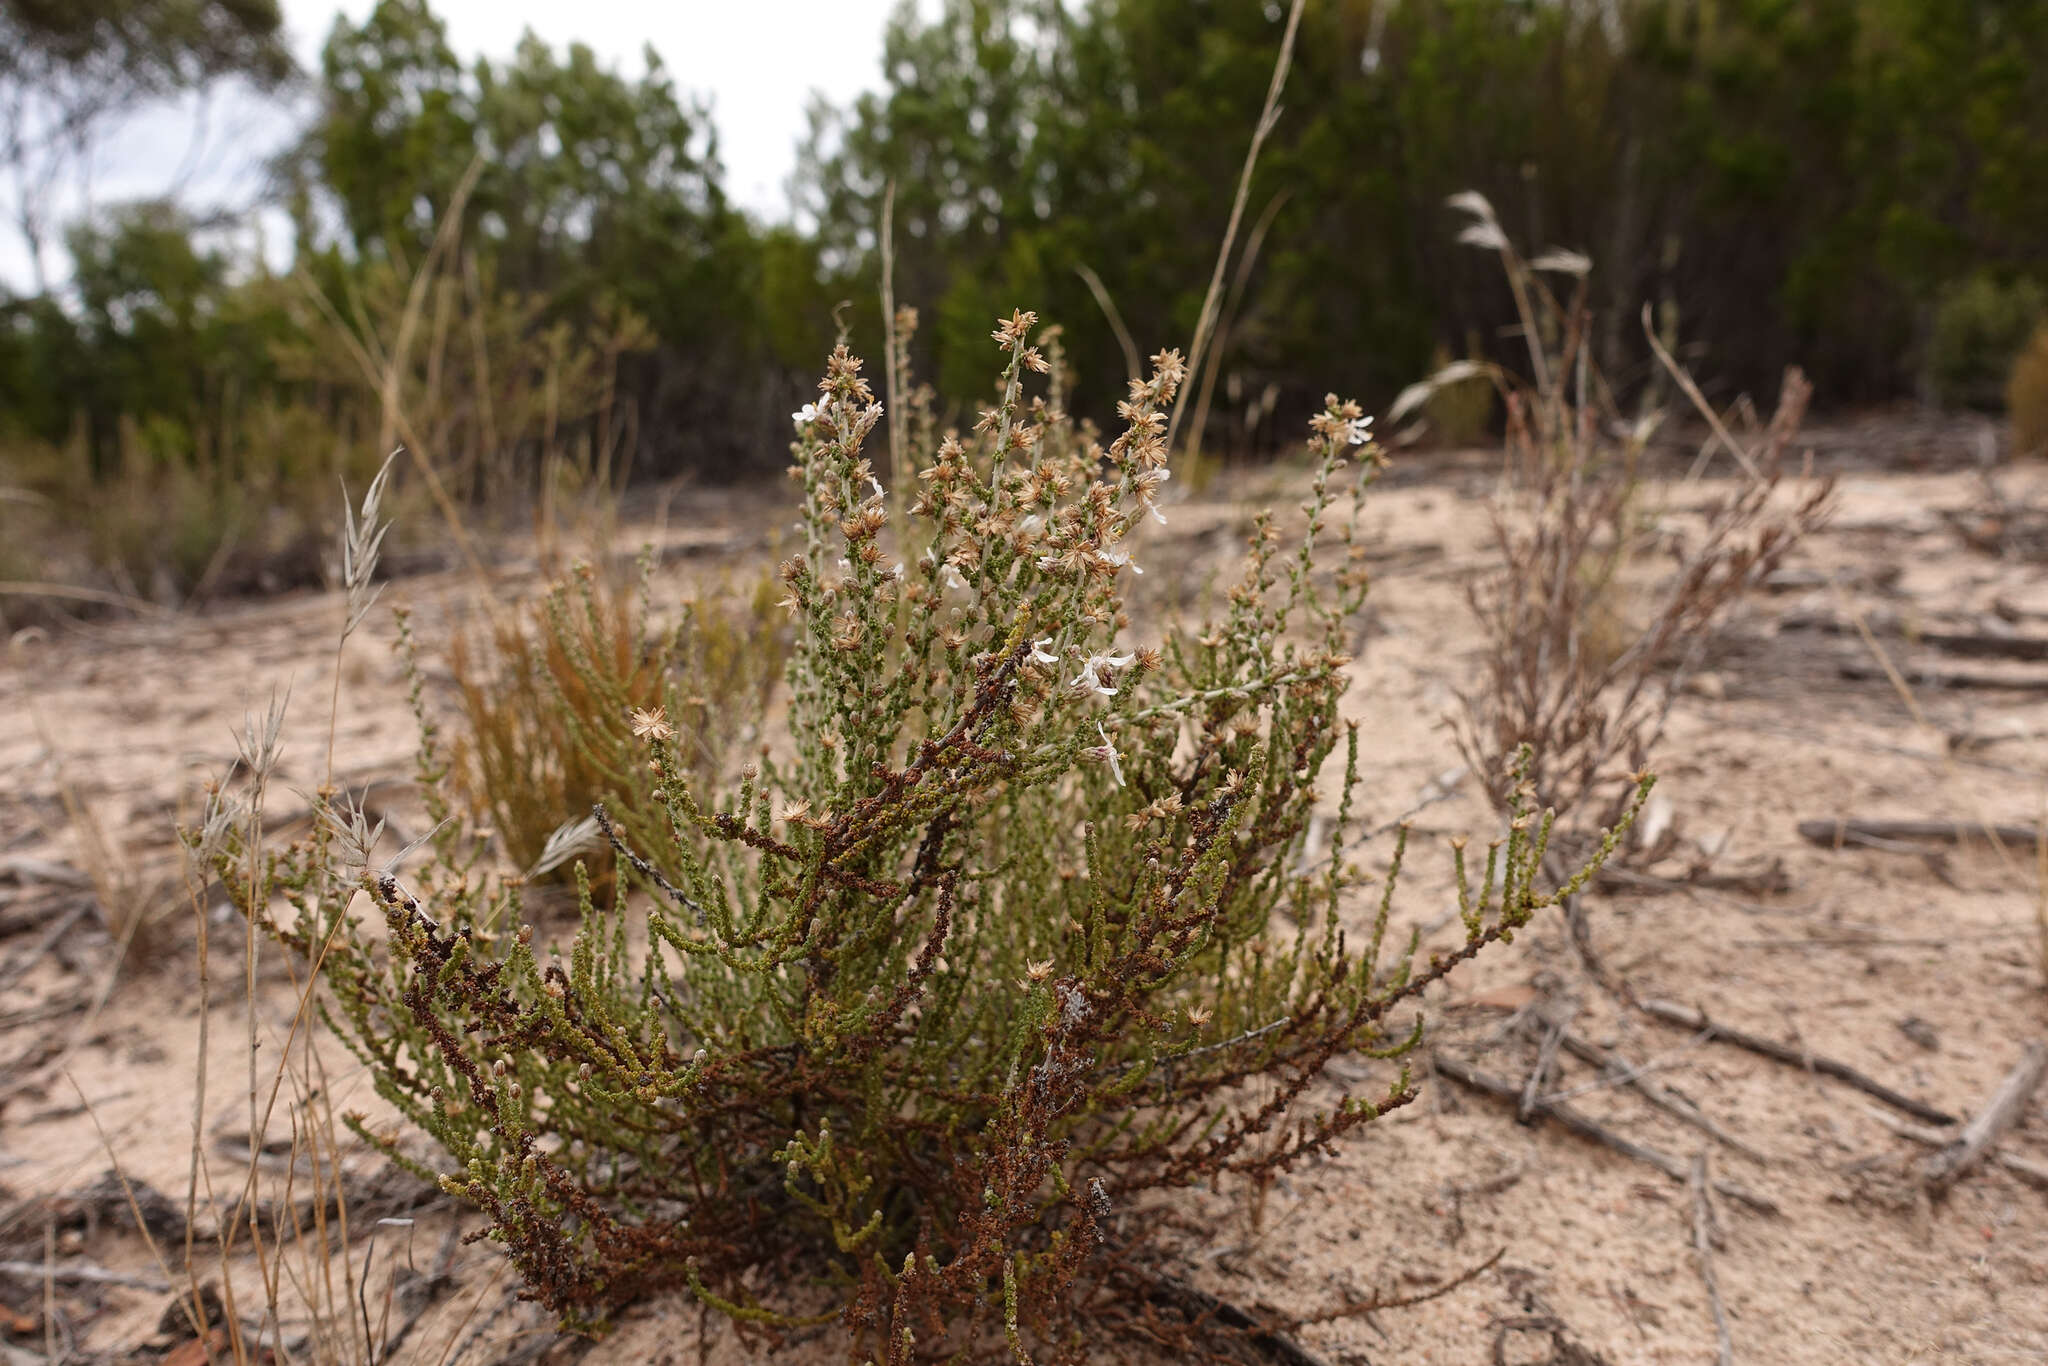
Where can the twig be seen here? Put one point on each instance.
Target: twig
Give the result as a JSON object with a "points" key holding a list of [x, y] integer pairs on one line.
{"points": [[1134, 366], [1197, 1304], [1375, 1304], [1554, 1025], [79, 1273], [1948, 678], [1586, 1127], [1968, 644], [644, 868], [2033, 1173], [49, 1010], [1703, 1238], [1836, 833], [22, 868], [14, 971], [1670, 1012], [2000, 1113], [1615, 1072], [1269, 116]]}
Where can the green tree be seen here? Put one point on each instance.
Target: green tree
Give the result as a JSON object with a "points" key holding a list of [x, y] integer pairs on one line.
{"points": [[69, 67]]}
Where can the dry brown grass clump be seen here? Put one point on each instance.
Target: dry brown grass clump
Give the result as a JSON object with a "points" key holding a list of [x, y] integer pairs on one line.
{"points": [[1582, 661], [547, 709], [2026, 397]]}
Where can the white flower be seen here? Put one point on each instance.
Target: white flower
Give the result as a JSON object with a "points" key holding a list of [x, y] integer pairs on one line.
{"points": [[804, 416], [1358, 430], [1148, 483], [1089, 675], [876, 484], [950, 576], [1031, 523], [1040, 653], [1119, 558], [1116, 768]]}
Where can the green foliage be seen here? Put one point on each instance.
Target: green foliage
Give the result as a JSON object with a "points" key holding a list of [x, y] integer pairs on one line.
{"points": [[1014, 924], [2026, 397], [1783, 179], [1980, 327]]}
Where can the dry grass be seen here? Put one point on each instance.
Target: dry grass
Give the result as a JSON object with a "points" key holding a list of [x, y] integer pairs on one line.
{"points": [[1584, 657]]}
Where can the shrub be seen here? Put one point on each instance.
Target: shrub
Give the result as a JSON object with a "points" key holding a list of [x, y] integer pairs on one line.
{"points": [[546, 727], [1581, 665], [1011, 928], [1460, 411], [1980, 326], [2026, 397]]}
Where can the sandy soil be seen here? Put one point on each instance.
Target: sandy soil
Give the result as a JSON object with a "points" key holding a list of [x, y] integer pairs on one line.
{"points": [[1916, 965]]}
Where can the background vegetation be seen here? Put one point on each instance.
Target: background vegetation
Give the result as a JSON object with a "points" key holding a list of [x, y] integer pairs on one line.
{"points": [[1856, 184]]}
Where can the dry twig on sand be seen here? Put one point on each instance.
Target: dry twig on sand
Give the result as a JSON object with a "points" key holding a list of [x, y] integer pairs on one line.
{"points": [[1705, 1234], [1586, 1127], [1999, 1114], [2033, 1173], [1835, 834], [1615, 1072], [1688, 1018]]}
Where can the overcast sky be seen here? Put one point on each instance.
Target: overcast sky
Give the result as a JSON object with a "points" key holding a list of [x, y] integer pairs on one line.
{"points": [[756, 60]]}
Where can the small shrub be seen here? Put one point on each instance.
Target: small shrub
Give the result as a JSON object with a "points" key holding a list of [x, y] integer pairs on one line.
{"points": [[1980, 325], [2026, 397], [1010, 929], [546, 713], [1581, 666], [1460, 411]]}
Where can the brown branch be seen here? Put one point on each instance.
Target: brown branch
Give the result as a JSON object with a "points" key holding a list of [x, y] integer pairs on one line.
{"points": [[2000, 1113], [1585, 1126], [2033, 1173], [1618, 1073], [1704, 1236], [1375, 1304], [1670, 1012], [1835, 834]]}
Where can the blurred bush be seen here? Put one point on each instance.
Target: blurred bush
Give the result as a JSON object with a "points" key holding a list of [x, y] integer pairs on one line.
{"points": [[1980, 327], [2026, 397]]}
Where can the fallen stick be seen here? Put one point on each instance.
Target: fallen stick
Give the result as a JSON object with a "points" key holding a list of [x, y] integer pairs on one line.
{"points": [[1836, 833], [1586, 1127], [2033, 1173], [49, 1010], [1945, 678], [79, 1273], [1554, 1026], [1637, 1079], [17, 969], [1687, 1018], [23, 869], [2000, 1113], [1703, 1236], [1967, 644]]}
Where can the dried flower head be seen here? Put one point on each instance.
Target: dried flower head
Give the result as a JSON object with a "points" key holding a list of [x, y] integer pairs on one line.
{"points": [[651, 724]]}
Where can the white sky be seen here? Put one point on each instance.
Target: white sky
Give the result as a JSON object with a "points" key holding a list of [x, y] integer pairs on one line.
{"points": [[758, 61]]}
